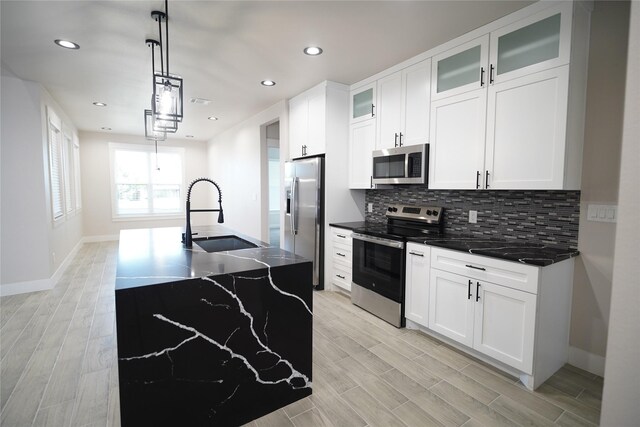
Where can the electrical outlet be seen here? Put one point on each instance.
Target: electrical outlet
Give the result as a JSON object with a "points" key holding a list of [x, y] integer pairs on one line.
{"points": [[602, 213], [370, 207], [473, 217]]}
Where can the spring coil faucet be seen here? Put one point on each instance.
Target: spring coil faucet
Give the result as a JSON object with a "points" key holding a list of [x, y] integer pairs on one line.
{"points": [[187, 237]]}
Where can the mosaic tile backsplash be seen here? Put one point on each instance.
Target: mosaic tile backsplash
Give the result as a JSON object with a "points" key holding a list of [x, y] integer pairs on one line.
{"points": [[544, 217]]}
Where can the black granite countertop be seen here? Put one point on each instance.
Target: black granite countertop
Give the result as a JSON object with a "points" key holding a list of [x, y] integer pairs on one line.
{"points": [[156, 255], [533, 254], [349, 225]]}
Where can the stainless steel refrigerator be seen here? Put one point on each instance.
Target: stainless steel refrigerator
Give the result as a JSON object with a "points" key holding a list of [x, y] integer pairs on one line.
{"points": [[304, 216]]}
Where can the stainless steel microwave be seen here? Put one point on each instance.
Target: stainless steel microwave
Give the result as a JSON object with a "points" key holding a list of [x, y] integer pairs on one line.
{"points": [[401, 165]]}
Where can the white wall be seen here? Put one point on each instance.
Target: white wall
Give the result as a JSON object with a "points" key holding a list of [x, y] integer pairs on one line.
{"points": [[96, 184], [600, 175], [236, 163], [24, 229], [621, 393], [33, 249]]}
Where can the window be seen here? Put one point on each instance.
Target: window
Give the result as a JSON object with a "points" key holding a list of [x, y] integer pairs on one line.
{"points": [[76, 169], [67, 162], [56, 166], [145, 183]]}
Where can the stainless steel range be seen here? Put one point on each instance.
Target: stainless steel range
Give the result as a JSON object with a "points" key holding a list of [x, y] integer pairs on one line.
{"points": [[379, 259]]}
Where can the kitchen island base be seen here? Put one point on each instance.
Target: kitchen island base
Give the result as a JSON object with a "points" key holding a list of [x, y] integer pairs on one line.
{"points": [[219, 349]]}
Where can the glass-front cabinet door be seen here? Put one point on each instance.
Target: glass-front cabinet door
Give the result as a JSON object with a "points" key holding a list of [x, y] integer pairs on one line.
{"points": [[363, 103], [460, 69], [533, 44]]}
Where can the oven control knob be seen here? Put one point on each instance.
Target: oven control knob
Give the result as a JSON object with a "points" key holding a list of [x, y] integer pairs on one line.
{"points": [[428, 212], [435, 213], [390, 209], [394, 209]]}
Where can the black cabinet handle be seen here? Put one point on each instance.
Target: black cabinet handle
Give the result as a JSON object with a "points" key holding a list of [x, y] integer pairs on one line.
{"points": [[486, 179], [342, 236], [491, 68], [372, 113], [371, 181], [340, 254], [342, 277], [477, 291], [481, 76], [474, 267], [477, 180], [416, 254], [395, 140], [401, 139], [469, 290]]}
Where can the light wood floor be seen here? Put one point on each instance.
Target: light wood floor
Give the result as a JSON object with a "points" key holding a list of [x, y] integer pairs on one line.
{"points": [[58, 367]]}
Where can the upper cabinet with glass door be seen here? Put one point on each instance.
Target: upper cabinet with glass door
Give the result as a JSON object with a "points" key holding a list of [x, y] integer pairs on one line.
{"points": [[363, 103], [533, 44], [460, 69]]}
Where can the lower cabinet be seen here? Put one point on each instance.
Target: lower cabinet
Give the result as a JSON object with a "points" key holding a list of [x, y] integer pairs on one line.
{"points": [[511, 314], [417, 283], [492, 319], [340, 258]]}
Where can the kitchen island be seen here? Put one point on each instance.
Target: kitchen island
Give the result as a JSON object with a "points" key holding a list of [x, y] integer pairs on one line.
{"points": [[206, 338]]}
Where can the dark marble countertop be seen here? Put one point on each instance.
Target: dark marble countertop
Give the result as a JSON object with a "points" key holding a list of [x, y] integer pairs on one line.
{"points": [[349, 225], [156, 255], [533, 254]]}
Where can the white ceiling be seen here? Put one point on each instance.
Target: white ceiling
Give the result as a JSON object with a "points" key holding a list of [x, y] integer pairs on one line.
{"points": [[222, 49]]}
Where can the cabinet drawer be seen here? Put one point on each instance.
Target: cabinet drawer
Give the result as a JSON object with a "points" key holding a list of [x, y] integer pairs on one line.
{"points": [[340, 235], [505, 273], [342, 254], [341, 276]]}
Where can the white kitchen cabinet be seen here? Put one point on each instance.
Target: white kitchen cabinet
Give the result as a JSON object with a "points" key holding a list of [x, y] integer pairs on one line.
{"points": [[451, 306], [417, 283], [389, 105], [403, 107], [456, 152], [308, 120], [504, 324], [533, 136], [538, 42], [526, 131], [511, 314], [362, 103], [460, 69], [339, 256], [362, 140]]}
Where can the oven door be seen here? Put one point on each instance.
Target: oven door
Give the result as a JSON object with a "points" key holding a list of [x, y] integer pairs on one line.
{"points": [[378, 265]]}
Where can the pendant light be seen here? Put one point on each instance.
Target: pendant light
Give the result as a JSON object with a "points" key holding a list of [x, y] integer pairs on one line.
{"points": [[166, 104]]}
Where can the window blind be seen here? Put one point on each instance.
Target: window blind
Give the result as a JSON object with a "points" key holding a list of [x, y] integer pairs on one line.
{"points": [[55, 161]]}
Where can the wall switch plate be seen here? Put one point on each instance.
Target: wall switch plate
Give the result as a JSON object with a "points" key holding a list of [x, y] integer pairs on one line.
{"points": [[473, 217], [370, 207], [602, 213]]}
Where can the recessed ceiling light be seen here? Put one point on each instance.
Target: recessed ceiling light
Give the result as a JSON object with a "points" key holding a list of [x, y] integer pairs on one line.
{"points": [[200, 101], [313, 50], [99, 104], [105, 128], [67, 44], [212, 118], [268, 83]]}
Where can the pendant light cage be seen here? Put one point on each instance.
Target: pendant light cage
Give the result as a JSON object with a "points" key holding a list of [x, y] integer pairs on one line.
{"points": [[149, 132], [167, 90]]}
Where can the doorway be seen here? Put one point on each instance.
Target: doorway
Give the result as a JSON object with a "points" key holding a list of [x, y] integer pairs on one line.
{"points": [[273, 179]]}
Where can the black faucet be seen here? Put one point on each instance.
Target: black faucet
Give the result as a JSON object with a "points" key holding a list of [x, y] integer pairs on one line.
{"points": [[187, 236]]}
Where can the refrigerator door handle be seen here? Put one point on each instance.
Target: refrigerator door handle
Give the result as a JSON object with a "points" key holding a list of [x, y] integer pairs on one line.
{"points": [[294, 207]]}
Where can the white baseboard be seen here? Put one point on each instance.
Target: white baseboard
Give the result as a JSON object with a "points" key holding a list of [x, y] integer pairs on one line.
{"points": [[103, 238], [588, 361], [7, 289]]}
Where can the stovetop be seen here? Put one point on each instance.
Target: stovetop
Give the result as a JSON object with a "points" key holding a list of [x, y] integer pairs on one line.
{"points": [[396, 232], [405, 222]]}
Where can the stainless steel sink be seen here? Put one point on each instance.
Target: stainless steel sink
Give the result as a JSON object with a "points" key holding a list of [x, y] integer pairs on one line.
{"points": [[223, 243]]}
